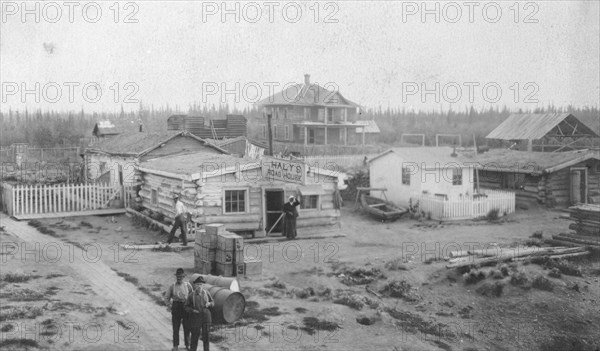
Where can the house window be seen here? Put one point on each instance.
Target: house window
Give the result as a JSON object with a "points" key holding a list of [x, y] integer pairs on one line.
{"points": [[310, 202], [264, 131], [277, 113], [345, 115], [274, 132], [235, 201], [102, 167], [306, 113], [405, 176], [286, 130], [285, 112], [329, 115], [154, 197], [456, 176]]}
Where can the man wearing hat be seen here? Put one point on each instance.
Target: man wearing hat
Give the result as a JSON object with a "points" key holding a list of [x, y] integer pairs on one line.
{"points": [[180, 217], [178, 293], [289, 222], [197, 305]]}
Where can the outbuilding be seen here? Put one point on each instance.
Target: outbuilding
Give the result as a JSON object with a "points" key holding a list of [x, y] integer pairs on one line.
{"points": [[554, 179], [244, 194], [113, 160], [438, 181]]}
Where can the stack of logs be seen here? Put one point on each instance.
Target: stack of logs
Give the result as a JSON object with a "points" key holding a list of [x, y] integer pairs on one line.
{"points": [[491, 256], [586, 219]]}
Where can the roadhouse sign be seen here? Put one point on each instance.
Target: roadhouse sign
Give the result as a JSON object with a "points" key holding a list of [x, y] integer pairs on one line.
{"points": [[284, 170]]}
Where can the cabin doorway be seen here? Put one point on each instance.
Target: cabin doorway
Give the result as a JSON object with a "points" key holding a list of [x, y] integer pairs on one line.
{"points": [[578, 185], [274, 200]]}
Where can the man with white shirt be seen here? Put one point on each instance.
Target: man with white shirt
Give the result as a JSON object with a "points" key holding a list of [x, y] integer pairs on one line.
{"points": [[180, 221]]}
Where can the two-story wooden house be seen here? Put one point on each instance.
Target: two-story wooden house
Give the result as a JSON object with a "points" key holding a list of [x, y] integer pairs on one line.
{"points": [[310, 114]]}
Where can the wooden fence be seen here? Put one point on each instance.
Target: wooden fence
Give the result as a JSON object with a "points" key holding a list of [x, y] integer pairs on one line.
{"points": [[63, 200], [466, 207]]}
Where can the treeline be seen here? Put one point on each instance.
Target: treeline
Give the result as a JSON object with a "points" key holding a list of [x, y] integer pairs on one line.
{"points": [[54, 129]]}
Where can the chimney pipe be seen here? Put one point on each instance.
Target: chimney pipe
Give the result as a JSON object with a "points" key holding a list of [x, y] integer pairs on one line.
{"points": [[307, 79]]}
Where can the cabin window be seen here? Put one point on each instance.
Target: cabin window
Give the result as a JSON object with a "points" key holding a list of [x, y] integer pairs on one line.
{"points": [[310, 202], [235, 201], [287, 132], [154, 197], [405, 176], [456, 176]]}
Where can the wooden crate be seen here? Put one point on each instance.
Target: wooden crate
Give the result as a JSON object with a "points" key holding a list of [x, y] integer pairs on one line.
{"points": [[252, 267], [205, 253], [230, 242], [215, 229], [240, 269], [225, 269], [204, 267], [208, 240], [223, 256]]}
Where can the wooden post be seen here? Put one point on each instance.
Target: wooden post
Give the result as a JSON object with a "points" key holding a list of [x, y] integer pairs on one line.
{"points": [[529, 145], [305, 135], [325, 139], [270, 134]]}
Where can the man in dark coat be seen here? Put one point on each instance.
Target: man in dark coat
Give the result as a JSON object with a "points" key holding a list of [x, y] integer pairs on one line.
{"points": [[197, 305], [289, 221]]}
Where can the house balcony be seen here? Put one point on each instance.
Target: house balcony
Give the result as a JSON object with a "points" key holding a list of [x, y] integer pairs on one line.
{"points": [[466, 206]]}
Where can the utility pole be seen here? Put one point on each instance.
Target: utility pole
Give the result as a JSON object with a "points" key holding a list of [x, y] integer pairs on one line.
{"points": [[270, 134]]}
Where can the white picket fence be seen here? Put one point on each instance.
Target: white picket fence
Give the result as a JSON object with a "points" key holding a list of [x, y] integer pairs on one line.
{"points": [[338, 161], [466, 207], [57, 200]]}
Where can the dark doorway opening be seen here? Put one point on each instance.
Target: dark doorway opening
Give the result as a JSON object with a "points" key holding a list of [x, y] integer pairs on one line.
{"points": [[274, 207]]}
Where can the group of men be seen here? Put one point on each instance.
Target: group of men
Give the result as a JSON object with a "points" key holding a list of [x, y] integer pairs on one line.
{"points": [[190, 308]]}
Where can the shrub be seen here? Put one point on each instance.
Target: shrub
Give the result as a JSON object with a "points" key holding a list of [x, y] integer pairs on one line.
{"points": [[554, 273], [493, 215], [491, 289], [538, 234], [473, 276], [542, 283], [519, 279]]}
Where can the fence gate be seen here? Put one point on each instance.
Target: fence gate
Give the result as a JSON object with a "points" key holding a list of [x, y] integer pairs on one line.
{"points": [[64, 200]]}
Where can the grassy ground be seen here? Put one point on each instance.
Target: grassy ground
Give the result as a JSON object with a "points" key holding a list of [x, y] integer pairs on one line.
{"points": [[383, 286]]}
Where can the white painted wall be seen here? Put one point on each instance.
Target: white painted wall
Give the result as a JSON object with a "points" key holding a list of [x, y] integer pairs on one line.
{"points": [[386, 172]]}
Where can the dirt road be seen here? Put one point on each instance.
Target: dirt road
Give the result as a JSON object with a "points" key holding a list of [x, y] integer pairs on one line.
{"points": [[153, 321]]}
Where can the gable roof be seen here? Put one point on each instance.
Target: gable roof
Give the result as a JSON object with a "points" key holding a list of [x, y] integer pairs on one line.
{"points": [[192, 166], [370, 126], [427, 157], [307, 95], [227, 141], [137, 144], [529, 162], [536, 126]]}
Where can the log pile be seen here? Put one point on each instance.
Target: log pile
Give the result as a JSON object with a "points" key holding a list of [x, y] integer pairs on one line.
{"points": [[479, 258], [571, 239], [586, 219]]}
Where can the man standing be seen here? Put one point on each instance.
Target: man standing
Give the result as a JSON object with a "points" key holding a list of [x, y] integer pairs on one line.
{"points": [[197, 305], [178, 293], [180, 221], [290, 212]]}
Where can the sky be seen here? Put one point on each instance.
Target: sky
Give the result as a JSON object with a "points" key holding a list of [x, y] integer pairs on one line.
{"points": [[401, 54]]}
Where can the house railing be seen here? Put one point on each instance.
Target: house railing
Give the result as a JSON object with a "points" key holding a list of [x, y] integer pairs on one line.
{"points": [[465, 207], [56, 200]]}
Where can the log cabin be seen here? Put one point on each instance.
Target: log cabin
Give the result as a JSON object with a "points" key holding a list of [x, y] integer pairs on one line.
{"points": [[553, 179], [245, 195], [113, 160]]}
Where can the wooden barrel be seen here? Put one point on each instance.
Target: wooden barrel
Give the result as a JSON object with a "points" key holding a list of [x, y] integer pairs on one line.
{"points": [[223, 282], [229, 305]]}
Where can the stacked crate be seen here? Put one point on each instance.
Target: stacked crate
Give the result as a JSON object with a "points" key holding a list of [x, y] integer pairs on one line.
{"points": [[230, 255], [205, 248], [220, 252]]}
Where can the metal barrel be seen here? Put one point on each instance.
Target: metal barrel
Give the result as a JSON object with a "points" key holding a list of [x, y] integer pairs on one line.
{"points": [[230, 283], [229, 305]]}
